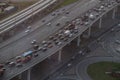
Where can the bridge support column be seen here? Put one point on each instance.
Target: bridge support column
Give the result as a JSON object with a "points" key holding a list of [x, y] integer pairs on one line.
{"points": [[114, 12], [20, 76], [100, 23], [88, 33], [29, 74], [59, 55], [1, 38], [78, 41]]}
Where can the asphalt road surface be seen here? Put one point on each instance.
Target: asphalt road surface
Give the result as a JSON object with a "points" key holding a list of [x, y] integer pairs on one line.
{"points": [[37, 34], [21, 44]]}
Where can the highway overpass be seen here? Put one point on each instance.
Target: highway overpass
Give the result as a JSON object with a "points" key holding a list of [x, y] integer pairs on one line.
{"points": [[86, 8]]}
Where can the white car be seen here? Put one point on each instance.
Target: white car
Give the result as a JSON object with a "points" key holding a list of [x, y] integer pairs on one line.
{"points": [[27, 31], [33, 42], [48, 24]]}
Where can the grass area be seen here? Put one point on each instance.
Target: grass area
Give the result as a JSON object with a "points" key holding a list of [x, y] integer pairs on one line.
{"points": [[25, 4], [65, 2], [97, 70], [20, 6]]}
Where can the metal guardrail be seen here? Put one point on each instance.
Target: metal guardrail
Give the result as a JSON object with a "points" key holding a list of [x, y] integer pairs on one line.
{"points": [[3, 21], [25, 14]]}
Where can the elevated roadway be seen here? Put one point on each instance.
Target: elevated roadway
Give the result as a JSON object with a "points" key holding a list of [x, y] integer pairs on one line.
{"points": [[41, 34]]}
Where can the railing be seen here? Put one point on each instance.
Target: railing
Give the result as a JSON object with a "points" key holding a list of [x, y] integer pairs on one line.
{"points": [[23, 15]]}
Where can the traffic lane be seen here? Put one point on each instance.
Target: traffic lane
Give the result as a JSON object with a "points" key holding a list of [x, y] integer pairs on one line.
{"points": [[55, 49], [47, 20], [23, 44], [40, 23], [43, 55]]}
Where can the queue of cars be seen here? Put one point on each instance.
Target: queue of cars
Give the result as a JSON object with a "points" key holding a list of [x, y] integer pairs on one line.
{"points": [[59, 37]]}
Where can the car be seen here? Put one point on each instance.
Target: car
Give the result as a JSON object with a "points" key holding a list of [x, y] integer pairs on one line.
{"points": [[2, 72], [67, 32], [44, 42], [65, 39], [92, 17], [33, 41], [58, 24], [80, 52], [29, 27], [43, 20], [50, 46], [56, 34], [18, 57], [58, 13], [26, 31], [63, 9], [45, 45], [69, 64], [118, 1], [53, 14], [1, 66], [28, 53], [67, 12], [35, 47], [118, 24], [48, 24], [70, 35], [58, 43], [26, 59], [51, 37], [117, 41], [86, 23], [12, 64], [55, 39], [75, 31], [19, 65], [40, 49], [60, 35], [19, 60], [44, 49], [35, 55], [66, 28], [117, 49], [62, 38]]}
